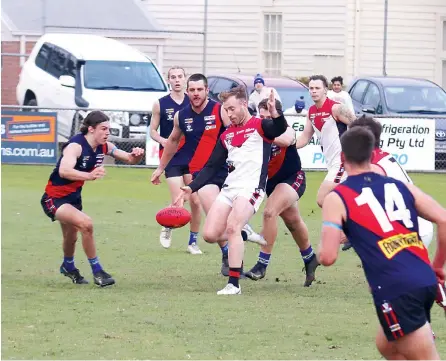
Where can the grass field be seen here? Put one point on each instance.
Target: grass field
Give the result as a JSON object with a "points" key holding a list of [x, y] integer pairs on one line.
{"points": [[164, 305]]}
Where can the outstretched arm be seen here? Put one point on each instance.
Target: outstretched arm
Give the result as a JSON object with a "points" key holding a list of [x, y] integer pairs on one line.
{"points": [[133, 157], [306, 135], [286, 139]]}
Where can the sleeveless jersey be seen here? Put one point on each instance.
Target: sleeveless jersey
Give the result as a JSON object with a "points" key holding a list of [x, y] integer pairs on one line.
{"points": [[248, 155], [284, 162], [390, 166], [58, 187], [383, 229], [168, 108], [328, 130], [201, 133]]}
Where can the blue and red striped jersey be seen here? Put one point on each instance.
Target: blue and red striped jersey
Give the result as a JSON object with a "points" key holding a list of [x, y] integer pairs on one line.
{"points": [[201, 133], [382, 227], [168, 108], [284, 162], [58, 187]]}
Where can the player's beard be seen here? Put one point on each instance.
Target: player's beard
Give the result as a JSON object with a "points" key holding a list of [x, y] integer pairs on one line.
{"points": [[199, 105]]}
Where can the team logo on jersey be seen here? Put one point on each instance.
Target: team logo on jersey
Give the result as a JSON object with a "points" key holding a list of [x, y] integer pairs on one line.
{"points": [[209, 120], [188, 120], [170, 113], [275, 150], [84, 161], [209, 127], [395, 244], [189, 128]]}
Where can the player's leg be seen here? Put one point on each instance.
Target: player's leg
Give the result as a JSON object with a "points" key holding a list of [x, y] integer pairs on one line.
{"points": [[386, 348], [70, 215], [195, 208], [280, 199], [208, 194], [216, 220], [244, 206]]}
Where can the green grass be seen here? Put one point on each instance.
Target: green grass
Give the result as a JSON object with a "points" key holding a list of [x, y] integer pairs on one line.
{"points": [[164, 305]]}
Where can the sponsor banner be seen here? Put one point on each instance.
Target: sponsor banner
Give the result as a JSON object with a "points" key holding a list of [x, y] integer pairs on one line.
{"points": [[29, 137], [410, 140]]}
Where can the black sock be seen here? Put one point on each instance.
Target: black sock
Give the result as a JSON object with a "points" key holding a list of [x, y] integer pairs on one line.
{"points": [[234, 276]]}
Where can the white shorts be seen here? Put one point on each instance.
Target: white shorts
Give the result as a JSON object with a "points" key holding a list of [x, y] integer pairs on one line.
{"points": [[254, 196], [426, 231], [336, 173]]}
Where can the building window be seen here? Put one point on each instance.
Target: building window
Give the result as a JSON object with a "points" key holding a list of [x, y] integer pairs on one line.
{"points": [[272, 43]]}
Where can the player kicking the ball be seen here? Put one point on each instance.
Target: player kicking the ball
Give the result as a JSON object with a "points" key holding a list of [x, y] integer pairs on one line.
{"points": [[81, 161], [286, 185], [379, 216], [245, 146]]}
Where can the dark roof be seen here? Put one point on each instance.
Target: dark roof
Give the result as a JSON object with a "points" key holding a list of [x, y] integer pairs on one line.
{"points": [[398, 81], [273, 81], [121, 15]]}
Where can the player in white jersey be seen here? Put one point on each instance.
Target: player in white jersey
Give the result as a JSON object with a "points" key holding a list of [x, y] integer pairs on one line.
{"points": [[385, 164], [328, 119], [246, 147]]}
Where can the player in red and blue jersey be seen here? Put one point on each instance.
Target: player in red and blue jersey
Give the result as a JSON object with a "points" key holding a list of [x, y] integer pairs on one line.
{"points": [[81, 161], [163, 113], [286, 185], [379, 215]]}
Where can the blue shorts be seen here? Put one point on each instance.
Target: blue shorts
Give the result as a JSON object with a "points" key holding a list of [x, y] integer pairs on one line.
{"points": [[218, 179], [172, 171], [50, 205]]}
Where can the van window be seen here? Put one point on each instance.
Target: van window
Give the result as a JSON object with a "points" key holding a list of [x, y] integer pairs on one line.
{"points": [[56, 62], [122, 75], [43, 56]]}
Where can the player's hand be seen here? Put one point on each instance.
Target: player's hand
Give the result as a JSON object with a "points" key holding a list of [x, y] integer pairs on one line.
{"points": [[441, 295], [135, 155], [163, 142], [155, 179], [186, 191], [97, 173], [440, 274], [272, 105]]}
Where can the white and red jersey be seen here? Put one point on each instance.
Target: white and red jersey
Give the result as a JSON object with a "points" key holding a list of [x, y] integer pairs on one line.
{"points": [[390, 166], [248, 152], [328, 130]]}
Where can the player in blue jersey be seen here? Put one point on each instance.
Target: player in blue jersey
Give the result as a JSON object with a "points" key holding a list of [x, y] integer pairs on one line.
{"points": [[81, 160], [163, 113], [378, 215]]}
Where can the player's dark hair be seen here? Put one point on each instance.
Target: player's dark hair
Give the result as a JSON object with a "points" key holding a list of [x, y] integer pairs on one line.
{"points": [[239, 92], [198, 77], [264, 105], [374, 126], [321, 78], [339, 79], [92, 120], [357, 145]]}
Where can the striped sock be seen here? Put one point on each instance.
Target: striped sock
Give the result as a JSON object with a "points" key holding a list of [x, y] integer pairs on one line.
{"points": [[234, 276], [307, 255], [95, 265], [264, 259]]}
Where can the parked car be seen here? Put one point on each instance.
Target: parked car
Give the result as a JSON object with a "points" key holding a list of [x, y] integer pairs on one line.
{"points": [[90, 71], [289, 89], [393, 96]]}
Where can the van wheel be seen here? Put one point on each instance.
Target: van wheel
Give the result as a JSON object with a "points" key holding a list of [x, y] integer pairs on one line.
{"points": [[31, 103], [73, 124]]}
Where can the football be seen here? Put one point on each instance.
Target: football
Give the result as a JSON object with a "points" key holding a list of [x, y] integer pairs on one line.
{"points": [[173, 217]]}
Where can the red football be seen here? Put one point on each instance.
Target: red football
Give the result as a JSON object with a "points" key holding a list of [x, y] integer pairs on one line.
{"points": [[173, 217]]}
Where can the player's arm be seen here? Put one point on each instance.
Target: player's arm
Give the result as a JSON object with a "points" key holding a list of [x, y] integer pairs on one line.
{"points": [[171, 146], [286, 139], [431, 210], [134, 157], [213, 165], [306, 135], [66, 169], [155, 123], [333, 215], [342, 113]]}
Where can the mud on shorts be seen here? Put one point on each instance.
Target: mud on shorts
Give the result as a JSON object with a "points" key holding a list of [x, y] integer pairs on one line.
{"points": [[297, 181], [50, 205], [406, 313]]}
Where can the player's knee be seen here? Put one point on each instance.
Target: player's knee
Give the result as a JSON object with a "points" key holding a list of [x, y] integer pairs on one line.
{"points": [[269, 213], [233, 228], [209, 234], [86, 225]]}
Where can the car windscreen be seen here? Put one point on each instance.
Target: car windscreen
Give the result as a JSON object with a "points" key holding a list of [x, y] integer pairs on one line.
{"points": [[413, 99], [122, 75]]}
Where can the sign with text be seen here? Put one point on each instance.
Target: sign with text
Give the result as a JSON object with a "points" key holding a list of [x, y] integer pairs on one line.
{"points": [[29, 137], [410, 140]]}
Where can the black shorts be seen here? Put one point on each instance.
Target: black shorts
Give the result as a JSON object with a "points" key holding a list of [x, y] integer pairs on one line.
{"points": [[297, 181], [176, 171], [50, 205], [407, 313], [218, 180]]}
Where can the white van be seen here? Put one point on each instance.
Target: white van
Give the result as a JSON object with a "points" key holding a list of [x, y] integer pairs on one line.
{"points": [[90, 71]]}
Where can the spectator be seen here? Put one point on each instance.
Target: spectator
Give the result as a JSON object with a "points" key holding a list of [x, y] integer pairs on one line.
{"points": [[339, 95], [261, 92], [298, 109]]}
